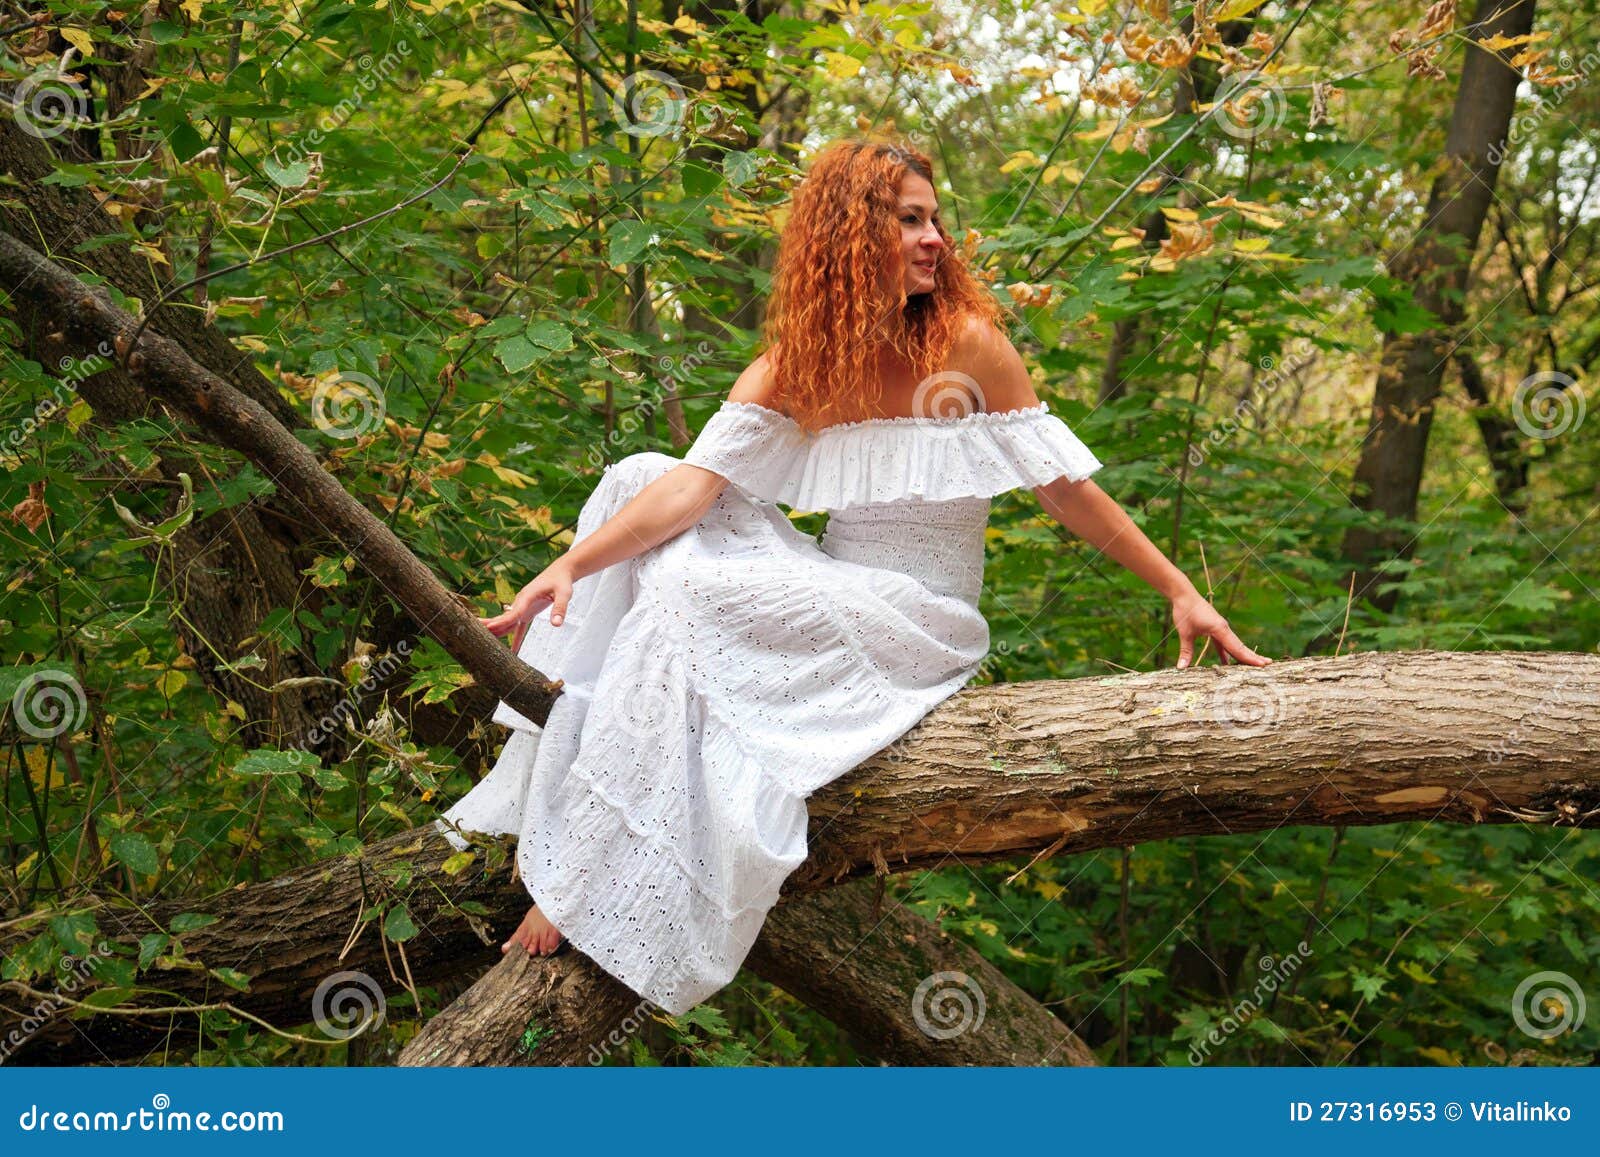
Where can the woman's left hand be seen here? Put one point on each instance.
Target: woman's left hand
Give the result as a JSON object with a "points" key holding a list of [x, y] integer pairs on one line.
{"points": [[1197, 618]]}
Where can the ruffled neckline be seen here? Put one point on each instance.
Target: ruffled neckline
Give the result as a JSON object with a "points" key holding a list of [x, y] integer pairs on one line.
{"points": [[976, 418]]}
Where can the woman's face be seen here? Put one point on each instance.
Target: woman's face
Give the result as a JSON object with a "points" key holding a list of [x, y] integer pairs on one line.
{"points": [[921, 247]]}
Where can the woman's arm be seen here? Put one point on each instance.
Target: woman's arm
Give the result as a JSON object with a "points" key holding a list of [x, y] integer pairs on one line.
{"points": [[985, 357], [663, 509], [1094, 516]]}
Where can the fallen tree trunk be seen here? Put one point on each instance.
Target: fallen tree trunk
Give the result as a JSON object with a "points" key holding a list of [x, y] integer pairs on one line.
{"points": [[906, 993], [996, 772], [232, 418]]}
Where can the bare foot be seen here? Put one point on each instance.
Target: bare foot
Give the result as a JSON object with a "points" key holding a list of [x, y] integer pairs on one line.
{"points": [[535, 933]]}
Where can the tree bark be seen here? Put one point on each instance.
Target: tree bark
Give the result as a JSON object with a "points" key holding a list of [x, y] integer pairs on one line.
{"points": [[881, 976], [231, 418], [1507, 459], [906, 992], [1436, 265], [228, 571], [994, 773]]}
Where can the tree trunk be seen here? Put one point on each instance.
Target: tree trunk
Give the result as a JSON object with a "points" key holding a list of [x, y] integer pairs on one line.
{"points": [[231, 418], [994, 773], [881, 976], [225, 572], [1506, 456], [1436, 264], [228, 571]]}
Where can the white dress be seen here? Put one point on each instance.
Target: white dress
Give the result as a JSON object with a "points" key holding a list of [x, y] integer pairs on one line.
{"points": [[715, 681]]}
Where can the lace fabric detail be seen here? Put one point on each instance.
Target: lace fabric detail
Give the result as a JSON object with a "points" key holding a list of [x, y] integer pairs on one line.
{"points": [[880, 460]]}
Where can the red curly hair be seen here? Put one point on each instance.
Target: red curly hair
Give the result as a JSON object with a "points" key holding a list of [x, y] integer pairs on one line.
{"points": [[838, 286]]}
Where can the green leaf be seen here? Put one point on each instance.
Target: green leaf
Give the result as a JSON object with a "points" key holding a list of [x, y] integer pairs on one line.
{"points": [[628, 240], [76, 932], [1367, 985], [397, 924], [151, 946], [189, 921], [272, 761], [290, 176], [552, 335], [108, 997], [232, 977], [135, 851], [517, 353]]}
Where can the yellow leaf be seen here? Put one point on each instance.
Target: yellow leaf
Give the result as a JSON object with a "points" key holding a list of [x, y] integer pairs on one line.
{"points": [[1103, 129], [842, 66], [1234, 9], [1064, 172], [235, 709], [512, 477], [151, 252], [79, 39], [171, 682], [1251, 244], [1018, 160], [1443, 1056], [38, 760], [1415, 971], [191, 8], [1125, 243], [1172, 213]]}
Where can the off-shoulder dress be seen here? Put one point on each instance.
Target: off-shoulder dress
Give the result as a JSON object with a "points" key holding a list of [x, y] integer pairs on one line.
{"points": [[718, 679]]}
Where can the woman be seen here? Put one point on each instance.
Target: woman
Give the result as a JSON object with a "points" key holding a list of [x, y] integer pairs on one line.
{"points": [[735, 665]]}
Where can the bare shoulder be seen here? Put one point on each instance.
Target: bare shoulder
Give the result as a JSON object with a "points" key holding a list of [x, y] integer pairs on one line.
{"points": [[755, 383], [985, 353]]}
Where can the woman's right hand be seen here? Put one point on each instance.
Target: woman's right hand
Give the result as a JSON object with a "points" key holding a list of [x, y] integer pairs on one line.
{"points": [[552, 587]]}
